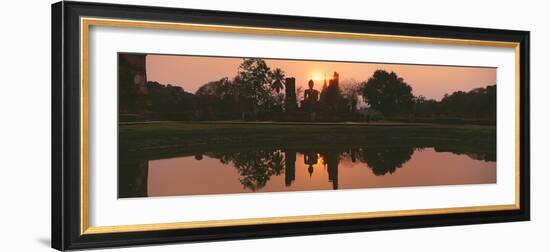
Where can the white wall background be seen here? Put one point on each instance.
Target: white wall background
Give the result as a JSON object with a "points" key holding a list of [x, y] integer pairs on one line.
{"points": [[25, 125]]}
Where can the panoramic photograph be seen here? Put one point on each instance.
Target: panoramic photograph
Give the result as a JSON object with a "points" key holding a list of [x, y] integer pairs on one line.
{"points": [[198, 125]]}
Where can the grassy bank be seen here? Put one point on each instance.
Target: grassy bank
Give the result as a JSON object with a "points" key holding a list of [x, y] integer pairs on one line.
{"points": [[205, 136]]}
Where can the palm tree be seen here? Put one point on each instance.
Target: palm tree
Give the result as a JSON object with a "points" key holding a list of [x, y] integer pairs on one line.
{"points": [[278, 80]]}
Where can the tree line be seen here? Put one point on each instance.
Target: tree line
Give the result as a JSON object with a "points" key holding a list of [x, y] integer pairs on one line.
{"points": [[392, 96], [258, 92]]}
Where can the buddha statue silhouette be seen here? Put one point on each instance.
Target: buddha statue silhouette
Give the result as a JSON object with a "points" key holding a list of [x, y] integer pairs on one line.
{"points": [[311, 100]]}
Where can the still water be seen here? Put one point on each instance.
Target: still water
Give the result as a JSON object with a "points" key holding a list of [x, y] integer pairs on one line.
{"points": [[278, 170]]}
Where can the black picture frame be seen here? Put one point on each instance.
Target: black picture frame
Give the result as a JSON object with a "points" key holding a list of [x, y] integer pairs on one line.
{"points": [[66, 155]]}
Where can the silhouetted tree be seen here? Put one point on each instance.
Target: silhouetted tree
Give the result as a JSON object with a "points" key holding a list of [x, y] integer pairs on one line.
{"points": [[388, 93], [425, 107], [278, 78], [219, 99], [479, 103], [256, 92], [169, 98], [254, 81]]}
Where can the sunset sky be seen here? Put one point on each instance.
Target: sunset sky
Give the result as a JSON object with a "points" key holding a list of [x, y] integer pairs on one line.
{"points": [[191, 72]]}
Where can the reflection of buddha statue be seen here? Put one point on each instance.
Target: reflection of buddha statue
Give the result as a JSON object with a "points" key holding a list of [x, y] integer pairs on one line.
{"points": [[310, 159], [311, 98], [353, 155]]}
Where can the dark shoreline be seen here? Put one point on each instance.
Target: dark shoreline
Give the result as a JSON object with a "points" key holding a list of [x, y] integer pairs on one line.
{"points": [[161, 138]]}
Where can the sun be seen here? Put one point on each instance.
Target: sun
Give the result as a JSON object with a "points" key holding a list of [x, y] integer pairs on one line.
{"points": [[316, 76]]}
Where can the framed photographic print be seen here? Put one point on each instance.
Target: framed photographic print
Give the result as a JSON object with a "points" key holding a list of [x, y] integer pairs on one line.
{"points": [[179, 125]]}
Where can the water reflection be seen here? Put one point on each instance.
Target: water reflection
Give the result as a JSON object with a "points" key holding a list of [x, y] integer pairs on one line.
{"points": [[385, 160], [298, 169]]}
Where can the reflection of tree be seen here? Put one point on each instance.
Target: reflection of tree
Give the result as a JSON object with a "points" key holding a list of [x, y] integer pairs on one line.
{"points": [[487, 157], [487, 154], [383, 160], [255, 167]]}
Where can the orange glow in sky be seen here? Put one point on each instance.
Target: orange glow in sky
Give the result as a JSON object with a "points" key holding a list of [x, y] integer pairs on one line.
{"points": [[191, 72], [318, 77]]}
